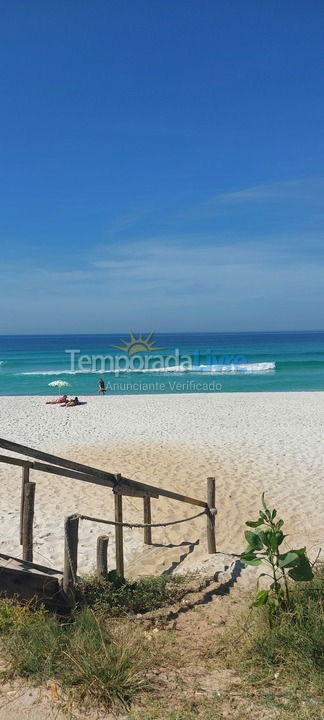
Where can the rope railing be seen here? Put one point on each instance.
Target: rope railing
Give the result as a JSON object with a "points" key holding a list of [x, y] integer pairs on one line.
{"points": [[71, 542], [71, 534], [37, 460], [141, 525]]}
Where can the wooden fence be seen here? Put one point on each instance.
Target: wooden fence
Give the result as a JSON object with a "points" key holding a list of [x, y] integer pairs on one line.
{"points": [[120, 485]]}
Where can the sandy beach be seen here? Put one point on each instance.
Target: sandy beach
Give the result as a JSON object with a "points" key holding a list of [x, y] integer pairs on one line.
{"points": [[251, 442]]}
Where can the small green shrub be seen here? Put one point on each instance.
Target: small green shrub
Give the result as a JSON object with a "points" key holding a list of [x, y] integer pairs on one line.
{"points": [[117, 596], [96, 662], [264, 543], [289, 655], [100, 662], [101, 665], [298, 635], [33, 640]]}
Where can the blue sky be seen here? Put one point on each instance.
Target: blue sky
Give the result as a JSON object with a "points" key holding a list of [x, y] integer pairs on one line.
{"points": [[161, 165]]}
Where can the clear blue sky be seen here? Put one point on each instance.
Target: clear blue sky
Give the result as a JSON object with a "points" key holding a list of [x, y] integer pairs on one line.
{"points": [[161, 165]]}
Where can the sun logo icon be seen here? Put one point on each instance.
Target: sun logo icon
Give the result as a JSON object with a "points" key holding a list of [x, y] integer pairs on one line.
{"points": [[138, 344]]}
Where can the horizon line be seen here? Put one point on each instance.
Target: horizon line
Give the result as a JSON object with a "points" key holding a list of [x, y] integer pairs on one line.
{"points": [[171, 332]]}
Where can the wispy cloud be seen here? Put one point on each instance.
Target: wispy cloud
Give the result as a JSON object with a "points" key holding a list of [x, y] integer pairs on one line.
{"points": [[130, 218], [305, 190], [181, 281]]}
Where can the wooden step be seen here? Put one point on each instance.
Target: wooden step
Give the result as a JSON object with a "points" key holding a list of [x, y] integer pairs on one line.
{"points": [[28, 580]]}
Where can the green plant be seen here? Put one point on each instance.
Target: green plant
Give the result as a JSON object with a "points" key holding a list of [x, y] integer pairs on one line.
{"points": [[264, 544], [117, 596], [33, 639], [103, 664], [100, 663], [282, 664]]}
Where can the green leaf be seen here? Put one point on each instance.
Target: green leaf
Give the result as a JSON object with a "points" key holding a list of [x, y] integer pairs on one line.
{"points": [[302, 571], [276, 539], [248, 558], [254, 540], [288, 559], [300, 551], [254, 523], [261, 598], [266, 537], [258, 580], [273, 514], [267, 511]]}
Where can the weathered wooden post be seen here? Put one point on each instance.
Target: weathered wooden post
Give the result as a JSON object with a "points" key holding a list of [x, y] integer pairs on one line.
{"points": [[28, 520], [147, 519], [102, 557], [71, 528], [211, 515], [119, 532], [25, 479]]}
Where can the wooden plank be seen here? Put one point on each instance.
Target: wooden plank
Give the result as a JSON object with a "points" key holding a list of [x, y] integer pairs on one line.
{"points": [[28, 585], [119, 534], [211, 515], [147, 519], [15, 461], [30, 581], [71, 531], [134, 488], [25, 479], [181, 498], [123, 488], [24, 566], [54, 459], [61, 462], [75, 475], [126, 484], [102, 557], [28, 521]]}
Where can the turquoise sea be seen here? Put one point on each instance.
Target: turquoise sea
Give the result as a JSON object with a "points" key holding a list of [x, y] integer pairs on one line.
{"points": [[196, 362]]}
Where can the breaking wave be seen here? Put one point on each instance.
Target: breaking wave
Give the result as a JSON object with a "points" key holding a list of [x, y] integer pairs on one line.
{"points": [[232, 369]]}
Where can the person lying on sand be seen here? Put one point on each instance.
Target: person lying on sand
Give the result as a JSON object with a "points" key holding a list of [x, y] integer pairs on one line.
{"points": [[72, 403], [62, 399]]}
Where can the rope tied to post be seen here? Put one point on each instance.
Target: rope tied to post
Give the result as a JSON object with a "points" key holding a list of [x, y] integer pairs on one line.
{"points": [[141, 525], [72, 522], [78, 516]]}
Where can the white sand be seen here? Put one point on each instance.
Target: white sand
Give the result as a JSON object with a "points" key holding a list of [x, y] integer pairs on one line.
{"points": [[250, 442]]}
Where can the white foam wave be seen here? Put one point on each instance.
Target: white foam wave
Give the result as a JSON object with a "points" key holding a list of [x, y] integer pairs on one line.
{"points": [[232, 369], [246, 368], [59, 372], [217, 369]]}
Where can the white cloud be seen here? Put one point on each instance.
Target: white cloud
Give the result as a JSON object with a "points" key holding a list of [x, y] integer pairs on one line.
{"points": [[305, 190], [191, 282]]}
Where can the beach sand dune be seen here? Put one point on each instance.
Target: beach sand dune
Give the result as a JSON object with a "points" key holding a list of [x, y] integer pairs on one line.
{"points": [[251, 443]]}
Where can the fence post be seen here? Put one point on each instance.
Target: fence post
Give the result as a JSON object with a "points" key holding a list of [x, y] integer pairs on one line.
{"points": [[211, 515], [25, 479], [147, 519], [102, 557], [28, 520], [71, 527], [119, 533]]}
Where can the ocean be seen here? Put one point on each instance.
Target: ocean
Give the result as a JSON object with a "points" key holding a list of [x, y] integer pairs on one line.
{"points": [[163, 363]]}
